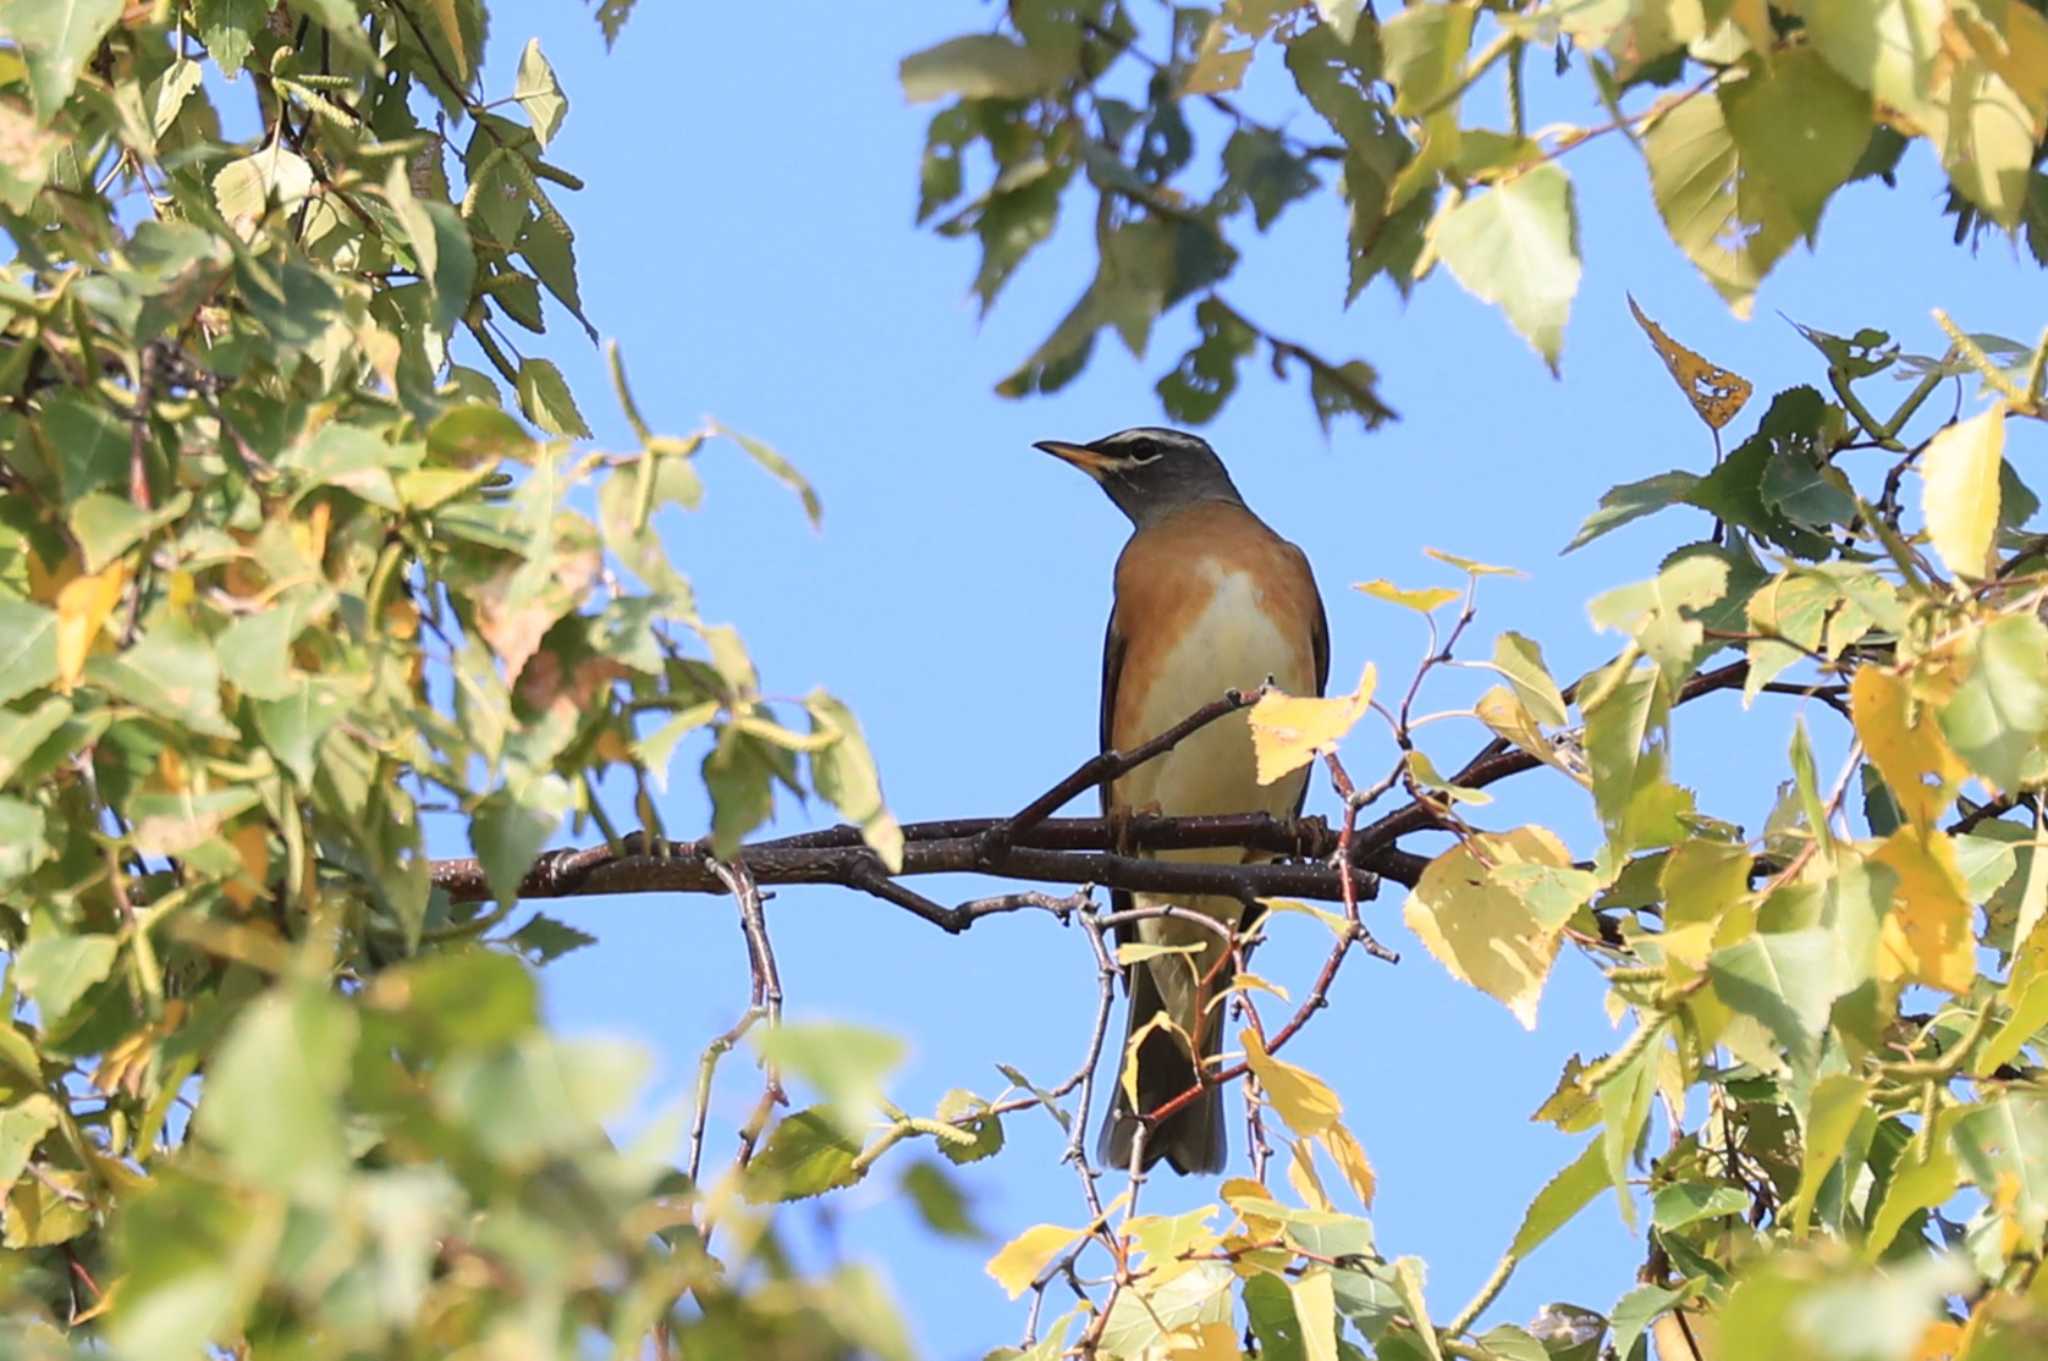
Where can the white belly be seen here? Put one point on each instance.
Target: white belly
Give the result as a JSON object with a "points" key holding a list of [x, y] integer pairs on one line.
{"points": [[1232, 645]]}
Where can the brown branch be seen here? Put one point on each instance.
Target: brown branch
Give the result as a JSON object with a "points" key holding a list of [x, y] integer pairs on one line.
{"points": [[1495, 762], [1032, 846], [1110, 765], [685, 868]]}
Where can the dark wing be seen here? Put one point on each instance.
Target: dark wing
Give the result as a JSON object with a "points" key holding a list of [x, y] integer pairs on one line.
{"points": [[1112, 673]]}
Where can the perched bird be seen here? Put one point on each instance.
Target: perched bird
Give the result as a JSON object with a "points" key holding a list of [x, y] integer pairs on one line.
{"points": [[1207, 599]]}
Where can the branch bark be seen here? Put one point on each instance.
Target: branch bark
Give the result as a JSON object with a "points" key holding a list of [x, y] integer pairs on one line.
{"points": [[1033, 847]]}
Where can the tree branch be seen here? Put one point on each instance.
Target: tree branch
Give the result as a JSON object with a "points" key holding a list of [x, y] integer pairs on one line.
{"points": [[1031, 846]]}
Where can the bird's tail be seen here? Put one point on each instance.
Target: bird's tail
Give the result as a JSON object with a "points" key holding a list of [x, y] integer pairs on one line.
{"points": [[1192, 1138]]}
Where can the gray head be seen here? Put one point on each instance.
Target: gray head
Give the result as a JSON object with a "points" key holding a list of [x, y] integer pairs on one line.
{"points": [[1150, 472]]}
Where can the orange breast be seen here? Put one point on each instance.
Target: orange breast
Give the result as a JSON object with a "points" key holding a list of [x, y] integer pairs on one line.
{"points": [[1208, 601]]}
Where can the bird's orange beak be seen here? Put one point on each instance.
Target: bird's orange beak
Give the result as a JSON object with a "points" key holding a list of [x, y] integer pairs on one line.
{"points": [[1092, 462]]}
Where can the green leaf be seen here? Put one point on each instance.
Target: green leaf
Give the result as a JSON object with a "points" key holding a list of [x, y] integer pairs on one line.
{"points": [[271, 1100], [2004, 1145], [1997, 715], [1663, 613], [228, 28], [22, 734], [1839, 1101], [1516, 245], [22, 1127], [1785, 980], [846, 1063], [1635, 1311], [1520, 659], [1018, 216], [58, 37], [544, 397], [1731, 226], [1262, 169], [255, 652], [1425, 53], [539, 1098], [1799, 127], [473, 433], [245, 189], [1632, 501], [549, 249], [86, 443], [293, 725], [1619, 720], [1347, 389], [1688, 1202], [22, 844], [543, 940], [28, 648], [954, 1108], [1561, 1198], [979, 66], [107, 526], [807, 1154], [55, 971], [740, 780], [540, 94], [1917, 1183], [783, 471], [170, 671], [1887, 47], [1624, 1109], [1506, 1342], [940, 1203], [1202, 382], [510, 826], [1141, 1315]]}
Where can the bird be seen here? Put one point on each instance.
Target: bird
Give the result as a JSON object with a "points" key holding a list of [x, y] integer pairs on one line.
{"points": [[1207, 598]]}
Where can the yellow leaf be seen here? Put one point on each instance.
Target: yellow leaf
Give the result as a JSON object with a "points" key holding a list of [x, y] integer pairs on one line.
{"points": [[1423, 771], [1301, 1175], [451, 29], [1254, 1204], [1480, 929], [1503, 711], [1304, 1100], [1216, 71], [1289, 730], [1315, 1309], [1477, 569], [1959, 494], [1334, 920], [1926, 936], [251, 843], [1942, 1341], [1715, 393], [1251, 982], [1202, 1342], [1425, 599], [1023, 1257], [1349, 1155], [83, 606], [1165, 1237], [1138, 951], [1906, 743]]}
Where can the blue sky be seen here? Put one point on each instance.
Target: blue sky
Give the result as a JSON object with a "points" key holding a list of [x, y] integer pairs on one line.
{"points": [[746, 235]]}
